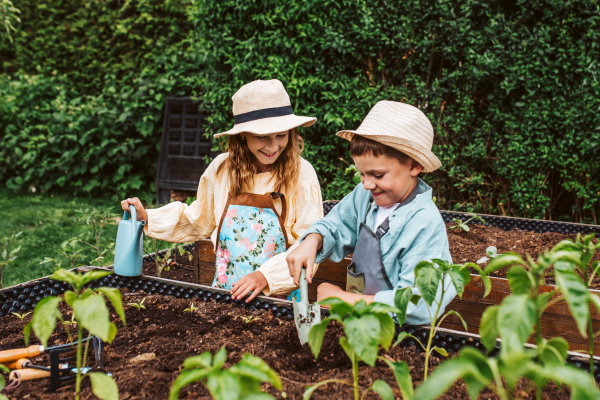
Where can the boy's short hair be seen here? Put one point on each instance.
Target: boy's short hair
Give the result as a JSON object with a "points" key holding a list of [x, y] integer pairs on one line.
{"points": [[360, 146]]}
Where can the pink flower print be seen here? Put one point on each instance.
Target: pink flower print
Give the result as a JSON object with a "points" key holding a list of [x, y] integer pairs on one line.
{"points": [[249, 246], [231, 213], [270, 249], [228, 222], [257, 227]]}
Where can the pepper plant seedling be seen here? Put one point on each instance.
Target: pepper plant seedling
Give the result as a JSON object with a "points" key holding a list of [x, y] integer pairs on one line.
{"points": [[249, 319], [3, 381], [72, 322], [7, 255], [22, 316], [90, 311], [139, 305], [492, 252], [163, 263], [463, 225], [191, 309], [240, 381], [431, 276], [98, 218], [366, 327], [69, 256]]}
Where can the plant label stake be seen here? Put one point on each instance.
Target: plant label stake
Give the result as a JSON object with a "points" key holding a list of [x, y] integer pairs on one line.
{"points": [[128, 248], [305, 315]]}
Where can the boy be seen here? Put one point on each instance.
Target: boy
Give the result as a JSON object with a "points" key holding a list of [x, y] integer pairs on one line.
{"points": [[389, 221]]}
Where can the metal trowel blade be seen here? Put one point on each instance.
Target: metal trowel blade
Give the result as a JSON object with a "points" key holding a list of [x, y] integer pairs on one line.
{"points": [[305, 318]]}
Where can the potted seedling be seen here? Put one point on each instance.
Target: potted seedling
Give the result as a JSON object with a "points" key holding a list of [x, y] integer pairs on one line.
{"points": [[239, 382], [366, 327], [91, 313], [8, 255], [98, 218]]}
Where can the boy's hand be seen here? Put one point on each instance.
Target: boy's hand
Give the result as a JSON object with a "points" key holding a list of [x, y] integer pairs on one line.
{"points": [[304, 256], [327, 290], [139, 208], [254, 282]]}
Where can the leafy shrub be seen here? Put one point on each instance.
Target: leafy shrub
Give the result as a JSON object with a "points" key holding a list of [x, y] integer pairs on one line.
{"points": [[511, 88]]}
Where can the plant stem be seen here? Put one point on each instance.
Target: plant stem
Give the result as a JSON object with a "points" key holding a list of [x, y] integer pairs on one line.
{"points": [[78, 378], [590, 329], [499, 384], [85, 352], [355, 373], [433, 330]]}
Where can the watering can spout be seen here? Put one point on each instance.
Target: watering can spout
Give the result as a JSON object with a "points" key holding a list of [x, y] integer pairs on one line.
{"points": [[128, 248]]}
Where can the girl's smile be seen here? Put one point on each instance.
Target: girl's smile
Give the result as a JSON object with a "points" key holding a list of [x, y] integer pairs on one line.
{"points": [[266, 148]]}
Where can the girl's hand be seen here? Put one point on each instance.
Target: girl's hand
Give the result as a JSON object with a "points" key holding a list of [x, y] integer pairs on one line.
{"points": [[139, 208], [254, 282], [304, 256]]}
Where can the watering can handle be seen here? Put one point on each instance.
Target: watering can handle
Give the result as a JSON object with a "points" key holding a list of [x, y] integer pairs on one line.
{"points": [[131, 214], [304, 288]]}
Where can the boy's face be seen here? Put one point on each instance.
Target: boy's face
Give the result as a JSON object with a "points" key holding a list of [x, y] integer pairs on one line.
{"points": [[388, 180]]}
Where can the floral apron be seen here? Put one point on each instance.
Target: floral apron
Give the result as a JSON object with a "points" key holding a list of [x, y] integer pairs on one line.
{"points": [[250, 232]]}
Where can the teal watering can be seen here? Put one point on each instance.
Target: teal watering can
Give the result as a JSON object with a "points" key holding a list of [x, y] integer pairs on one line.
{"points": [[129, 247]]}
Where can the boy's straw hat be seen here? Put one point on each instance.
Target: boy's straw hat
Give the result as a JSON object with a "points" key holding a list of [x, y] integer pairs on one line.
{"points": [[402, 127], [262, 108]]}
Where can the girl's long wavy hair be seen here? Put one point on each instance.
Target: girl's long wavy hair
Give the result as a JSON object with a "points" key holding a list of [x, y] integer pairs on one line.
{"points": [[240, 166]]}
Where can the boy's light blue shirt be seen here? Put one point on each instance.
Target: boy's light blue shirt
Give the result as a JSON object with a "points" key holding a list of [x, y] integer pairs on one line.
{"points": [[417, 232]]}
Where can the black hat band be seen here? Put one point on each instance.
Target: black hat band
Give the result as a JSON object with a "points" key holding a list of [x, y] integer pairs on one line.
{"points": [[264, 113]]}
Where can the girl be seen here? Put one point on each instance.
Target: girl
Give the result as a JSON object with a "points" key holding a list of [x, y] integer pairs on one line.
{"points": [[254, 202]]}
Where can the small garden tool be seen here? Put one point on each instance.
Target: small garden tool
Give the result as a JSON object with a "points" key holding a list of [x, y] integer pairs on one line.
{"points": [[8, 356], [305, 315], [129, 247]]}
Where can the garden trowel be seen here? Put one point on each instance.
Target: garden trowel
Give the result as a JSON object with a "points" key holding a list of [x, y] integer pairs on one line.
{"points": [[305, 315]]}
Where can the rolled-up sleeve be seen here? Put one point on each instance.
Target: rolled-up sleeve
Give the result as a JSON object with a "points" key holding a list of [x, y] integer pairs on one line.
{"points": [[177, 222], [307, 208]]}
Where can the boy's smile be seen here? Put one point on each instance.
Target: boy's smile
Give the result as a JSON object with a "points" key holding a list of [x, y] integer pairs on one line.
{"points": [[388, 180]]}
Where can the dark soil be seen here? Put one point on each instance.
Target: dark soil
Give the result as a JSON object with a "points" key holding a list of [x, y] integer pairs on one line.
{"points": [[182, 269], [146, 355], [470, 246]]}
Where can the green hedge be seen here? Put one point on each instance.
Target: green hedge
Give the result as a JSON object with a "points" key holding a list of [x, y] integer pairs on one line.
{"points": [[511, 88]]}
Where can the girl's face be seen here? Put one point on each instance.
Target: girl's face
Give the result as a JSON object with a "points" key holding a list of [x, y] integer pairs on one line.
{"points": [[266, 148], [388, 180]]}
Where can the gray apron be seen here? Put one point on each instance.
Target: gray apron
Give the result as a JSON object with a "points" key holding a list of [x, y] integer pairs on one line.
{"points": [[366, 274]]}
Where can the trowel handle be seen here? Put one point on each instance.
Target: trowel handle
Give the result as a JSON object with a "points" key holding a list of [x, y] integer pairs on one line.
{"points": [[29, 374], [304, 287], [15, 354]]}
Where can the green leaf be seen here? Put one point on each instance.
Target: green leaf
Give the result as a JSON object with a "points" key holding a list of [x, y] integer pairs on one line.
{"points": [[542, 301], [415, 299], [114, 296], [186, 378], [256, 368], [576, 294], [70, 297], [26, 334], [380, 308], [553, 351], [311, 389], [103, 386], [315, 336], [347, 348], [72, 278], [337, 306], [387, 330], [363, 335], [401, 336], [442, 378], [224, 385], [487, 284], [93, 275], [503, 260], [519, 280], [402, 375], [203, 360], [440, 351], [516, 319], [383, 389], [488, 328], [464, 324], [401, 299], [428, 281], [44, 318], [93, 315], [460, 278], [220, 358]]}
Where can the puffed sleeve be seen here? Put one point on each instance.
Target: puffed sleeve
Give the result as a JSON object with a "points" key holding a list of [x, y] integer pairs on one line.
{"points": [[177, 222], [308, 208]]}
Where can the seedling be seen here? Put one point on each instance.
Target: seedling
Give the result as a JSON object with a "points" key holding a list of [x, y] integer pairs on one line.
{"points": [[90, 311], [163, 263], [492, 253], [183, 252], [139, 305], [8, 255], [250, 319], [72, 322], [240, 381], [463, 225], [21, 316], [366, 327], [191, 309], [431, 276], [69, 256], [98, 218]]}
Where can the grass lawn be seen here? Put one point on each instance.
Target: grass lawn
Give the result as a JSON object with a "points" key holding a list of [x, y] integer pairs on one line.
{"points": [[47, 221]]}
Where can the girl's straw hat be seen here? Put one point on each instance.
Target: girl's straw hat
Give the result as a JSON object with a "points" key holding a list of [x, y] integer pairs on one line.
{"points": [[402, 127], [262, 108]]}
